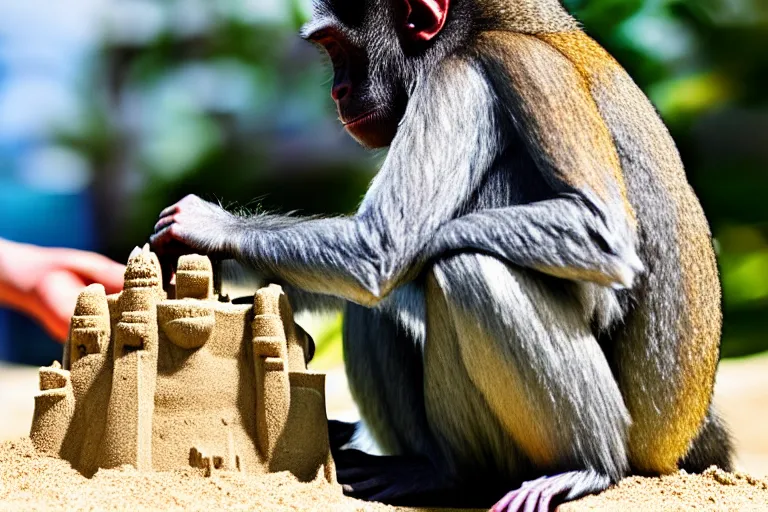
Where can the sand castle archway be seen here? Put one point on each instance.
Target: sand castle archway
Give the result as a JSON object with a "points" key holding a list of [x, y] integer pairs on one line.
{"points": [[167, 383]]}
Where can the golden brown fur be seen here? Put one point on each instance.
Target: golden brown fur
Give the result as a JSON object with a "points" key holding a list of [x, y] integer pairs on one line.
{"points": [[581, 131]]}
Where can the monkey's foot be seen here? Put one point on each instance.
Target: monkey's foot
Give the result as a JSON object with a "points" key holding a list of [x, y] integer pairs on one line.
{"points": [[397, 480], [340, 433], [544, 494]]}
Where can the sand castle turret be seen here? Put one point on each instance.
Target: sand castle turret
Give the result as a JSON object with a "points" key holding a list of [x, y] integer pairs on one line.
{"points": [[166, 383]]}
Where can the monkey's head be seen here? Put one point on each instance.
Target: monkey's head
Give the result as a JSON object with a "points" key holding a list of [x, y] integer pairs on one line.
{"points": [[378, 49]]}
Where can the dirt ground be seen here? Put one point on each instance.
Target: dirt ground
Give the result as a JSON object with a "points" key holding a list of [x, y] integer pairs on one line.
{"points": [[30, 482]]}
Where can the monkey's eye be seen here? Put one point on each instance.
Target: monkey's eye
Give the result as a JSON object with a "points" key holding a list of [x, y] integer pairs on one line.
{"points": [[334, 50], [332, 46]]}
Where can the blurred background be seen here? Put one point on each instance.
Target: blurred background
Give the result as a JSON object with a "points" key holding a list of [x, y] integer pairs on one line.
{"points": [[111, 110]]}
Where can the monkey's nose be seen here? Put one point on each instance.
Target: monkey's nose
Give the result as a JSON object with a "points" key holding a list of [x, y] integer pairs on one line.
{"points": [[339, 92]]}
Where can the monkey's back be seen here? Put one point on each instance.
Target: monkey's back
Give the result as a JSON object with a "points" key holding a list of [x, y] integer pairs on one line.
{"points": [[673, 331]]}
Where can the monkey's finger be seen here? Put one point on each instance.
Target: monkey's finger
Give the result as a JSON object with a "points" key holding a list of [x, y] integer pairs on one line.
{"points": [[540, 496], [517, 502], [171, 210], [392, 491], [364, 478], [161, 238], [352, 475], [366, 488], [164, 222], [169, 241], [534, 502], [514, 499], [546, 499]]}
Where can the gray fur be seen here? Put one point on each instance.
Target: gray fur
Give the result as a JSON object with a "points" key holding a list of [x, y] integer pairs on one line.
{"points": [[365, 257]]}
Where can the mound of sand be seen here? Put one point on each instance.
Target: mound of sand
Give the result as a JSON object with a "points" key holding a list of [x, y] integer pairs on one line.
{"points": [[31, 482], [713, 490]]}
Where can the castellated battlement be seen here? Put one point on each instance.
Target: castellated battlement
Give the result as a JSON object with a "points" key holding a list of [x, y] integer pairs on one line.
{"points": [[164, 384]]}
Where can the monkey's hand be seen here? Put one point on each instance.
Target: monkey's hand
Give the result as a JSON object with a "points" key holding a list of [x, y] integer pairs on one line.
{"points": [[196, 226]]}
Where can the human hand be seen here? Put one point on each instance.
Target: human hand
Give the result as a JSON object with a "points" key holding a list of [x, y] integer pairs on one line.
{"points": [[44, 283]]}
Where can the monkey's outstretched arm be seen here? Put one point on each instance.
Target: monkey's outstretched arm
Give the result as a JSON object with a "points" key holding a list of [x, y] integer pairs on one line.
{"points": [[586, 232], [445, 143]]}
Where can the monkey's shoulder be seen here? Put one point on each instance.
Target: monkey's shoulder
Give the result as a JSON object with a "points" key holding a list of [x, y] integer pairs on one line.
{"points": [[545, 53]]}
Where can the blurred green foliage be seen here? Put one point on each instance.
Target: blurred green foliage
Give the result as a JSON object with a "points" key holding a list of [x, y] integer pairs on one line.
{"points": [[237, 108]]}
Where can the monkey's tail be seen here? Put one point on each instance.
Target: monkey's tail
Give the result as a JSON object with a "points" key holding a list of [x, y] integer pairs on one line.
{"points": [[712, 447]]}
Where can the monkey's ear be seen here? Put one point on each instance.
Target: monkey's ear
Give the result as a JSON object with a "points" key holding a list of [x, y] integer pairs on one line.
{"points": [[425, 18]]}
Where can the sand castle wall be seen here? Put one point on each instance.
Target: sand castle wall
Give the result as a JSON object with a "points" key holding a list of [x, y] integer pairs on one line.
{"points": [[163, 383]]}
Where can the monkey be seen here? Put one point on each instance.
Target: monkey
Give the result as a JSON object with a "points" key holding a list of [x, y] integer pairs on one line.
{"points": [[531, 295]]}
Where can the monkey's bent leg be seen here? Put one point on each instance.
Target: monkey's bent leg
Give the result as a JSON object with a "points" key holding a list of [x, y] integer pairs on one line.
{"points": [[529, 352], [384, 369], [385, 372]]}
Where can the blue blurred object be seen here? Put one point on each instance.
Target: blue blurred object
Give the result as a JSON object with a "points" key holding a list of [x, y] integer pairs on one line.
{"points": [[30, 216], [44, 48]]}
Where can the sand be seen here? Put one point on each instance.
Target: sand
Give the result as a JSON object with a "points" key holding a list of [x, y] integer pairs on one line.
{"points": [[30, 482], [713, 490]]}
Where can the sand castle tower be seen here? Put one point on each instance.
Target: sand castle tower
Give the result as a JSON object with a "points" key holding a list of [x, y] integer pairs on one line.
{"points": [[162, 383]]}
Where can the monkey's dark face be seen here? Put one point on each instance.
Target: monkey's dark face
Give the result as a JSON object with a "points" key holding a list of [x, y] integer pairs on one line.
{"points": [[375, 48], [369, 111]]}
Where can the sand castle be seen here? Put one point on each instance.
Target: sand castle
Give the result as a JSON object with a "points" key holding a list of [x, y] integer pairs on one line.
{"points": [[164, 384]]}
